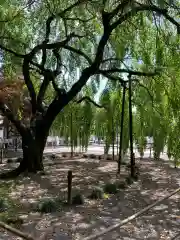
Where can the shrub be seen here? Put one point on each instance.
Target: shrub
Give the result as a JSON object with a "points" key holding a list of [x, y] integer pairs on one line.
{"points": [[47, 206], [78, 199], [109, 157], [93, 156], [10, 160], [3, 205], [129, 180], [53, 156], [122, 185], [110, 188], [64, 155], [19, 160], [85, 156], [97, 193]]}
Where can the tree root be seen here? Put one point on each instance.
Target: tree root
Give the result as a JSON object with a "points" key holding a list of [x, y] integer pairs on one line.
{"points": [[13, 173]]}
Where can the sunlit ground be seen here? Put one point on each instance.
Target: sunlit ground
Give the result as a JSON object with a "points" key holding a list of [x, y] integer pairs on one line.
{"points": [[156, 181]]}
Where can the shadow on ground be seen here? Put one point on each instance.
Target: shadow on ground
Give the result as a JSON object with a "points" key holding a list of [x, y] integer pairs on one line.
{"points": [[157, 180]]}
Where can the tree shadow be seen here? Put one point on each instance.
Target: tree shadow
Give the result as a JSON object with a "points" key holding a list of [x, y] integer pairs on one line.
{"points": [[157, 180]]}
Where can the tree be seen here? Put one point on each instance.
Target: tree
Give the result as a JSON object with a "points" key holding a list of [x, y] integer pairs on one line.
{"points": [[58, 50]]}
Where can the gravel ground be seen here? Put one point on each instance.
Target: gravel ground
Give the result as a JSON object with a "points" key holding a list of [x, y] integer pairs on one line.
{"points": [[73, 223]]}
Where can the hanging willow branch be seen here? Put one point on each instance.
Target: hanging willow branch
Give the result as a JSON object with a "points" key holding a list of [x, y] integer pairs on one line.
{"points": [[88, 99]]}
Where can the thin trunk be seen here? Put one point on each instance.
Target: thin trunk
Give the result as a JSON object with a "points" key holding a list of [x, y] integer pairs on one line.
{"points": [[131, 131], [72, 150], [117, 139], [113, 134], [121, 133]]}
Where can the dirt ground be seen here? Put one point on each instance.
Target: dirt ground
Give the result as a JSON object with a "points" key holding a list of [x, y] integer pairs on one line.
{"points": [[73, 223]]}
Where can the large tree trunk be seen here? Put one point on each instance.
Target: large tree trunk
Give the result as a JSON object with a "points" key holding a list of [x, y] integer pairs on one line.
{"points": [[32, 160]]}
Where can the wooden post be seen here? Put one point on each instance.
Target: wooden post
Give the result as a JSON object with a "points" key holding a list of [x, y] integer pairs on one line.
{"points": [[1, 153], [69, 186]]}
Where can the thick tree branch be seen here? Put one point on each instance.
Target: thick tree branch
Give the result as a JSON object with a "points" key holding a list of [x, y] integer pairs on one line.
{"points": [[29, 84], [79, 52], [11, 51], [131, 72], [144, 7], [60, 14], [88, 99], [7, 113]]}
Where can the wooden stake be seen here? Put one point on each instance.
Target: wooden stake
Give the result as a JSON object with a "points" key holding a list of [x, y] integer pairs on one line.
{"points": [[69, 186]]}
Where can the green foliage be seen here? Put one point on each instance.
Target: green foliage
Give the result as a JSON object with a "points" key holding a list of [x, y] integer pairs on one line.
{"points": [[78, 199], [129, 180], [121, 185], [47, 206], [97, 193], [110, 188]]}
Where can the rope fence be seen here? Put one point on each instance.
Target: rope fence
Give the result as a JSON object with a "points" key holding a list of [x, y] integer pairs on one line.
{"points": [[132, 217], [99, 234]]}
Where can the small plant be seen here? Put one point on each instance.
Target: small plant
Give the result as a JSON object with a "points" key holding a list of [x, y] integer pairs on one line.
{"points": [[93, 156], [122, 185], [53, 156], [97, 193], [3, 205], [129, 180], [47, 206], [110, 188], [10, 160], [109, 157], [85, 156], [78, 199], [19, 160]]}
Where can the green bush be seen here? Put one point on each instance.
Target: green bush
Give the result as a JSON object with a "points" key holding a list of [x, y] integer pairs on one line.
{"points": [[110, 188], [78, 199], [93, 156], [122, 185], [47, 206], [18, 160], [129, 180], [3, 205], [10, 160], [97, 193]]}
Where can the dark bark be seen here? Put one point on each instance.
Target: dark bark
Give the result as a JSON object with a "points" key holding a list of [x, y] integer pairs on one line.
{"points": [[32, 160], [121, 133], [131, 131]]}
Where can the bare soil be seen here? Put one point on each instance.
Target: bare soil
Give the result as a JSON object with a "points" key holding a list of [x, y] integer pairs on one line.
{"points": [[157, 179]]}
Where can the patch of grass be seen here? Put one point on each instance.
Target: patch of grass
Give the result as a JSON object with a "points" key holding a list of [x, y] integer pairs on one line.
{"points": [[78, 199], [47, 206], [97, 193], [110, 188]]}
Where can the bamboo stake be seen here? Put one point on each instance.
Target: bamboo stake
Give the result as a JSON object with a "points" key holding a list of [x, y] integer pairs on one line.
{"points": [[132, 217], [16, 231]]}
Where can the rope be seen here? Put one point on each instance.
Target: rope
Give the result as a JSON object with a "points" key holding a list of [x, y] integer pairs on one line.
{"points": [[132, 217], [16, 231]]}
